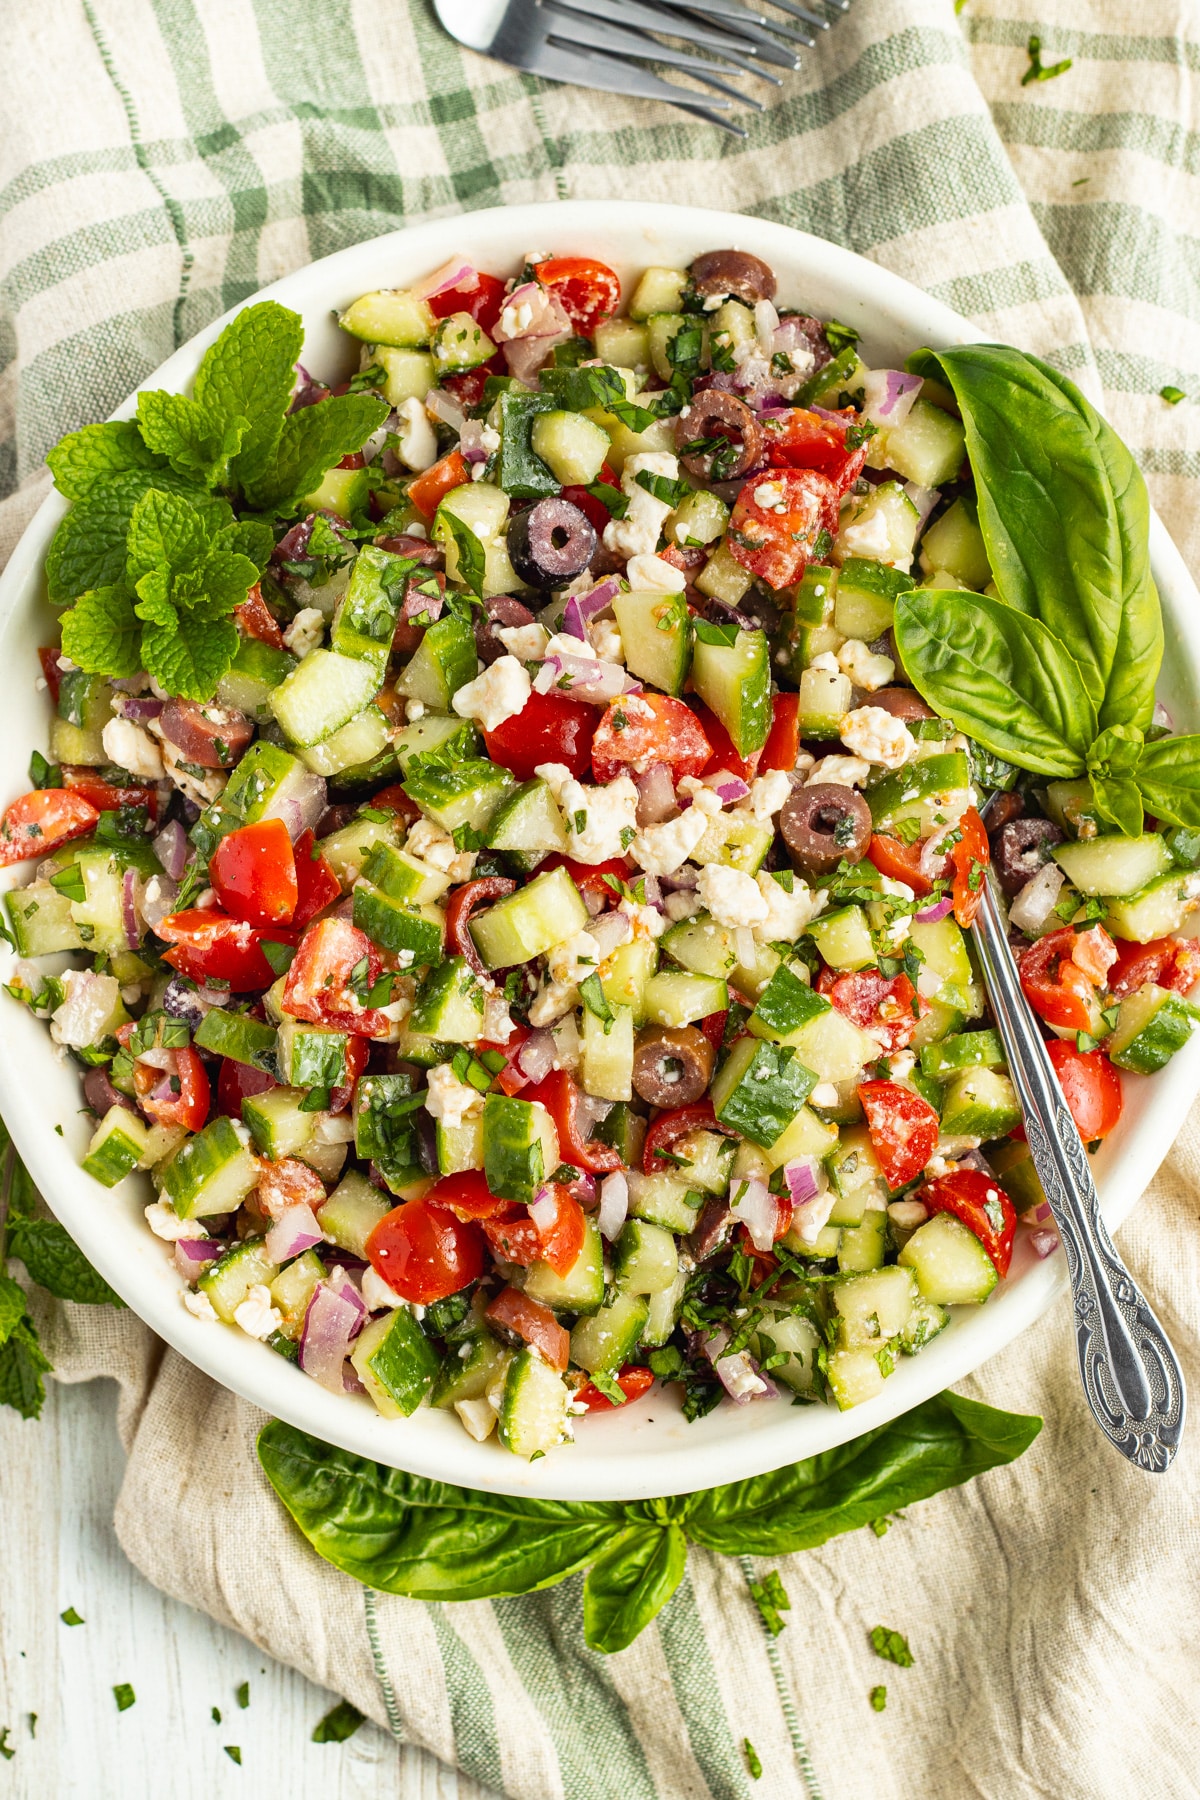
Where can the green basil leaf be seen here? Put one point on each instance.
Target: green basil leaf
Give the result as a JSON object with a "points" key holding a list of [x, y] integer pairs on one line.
{"points": [[1168, 775], [1112, 764], [629, 1584], [427, 1539], [940, 1444], [1000, 675], [1065, 517], [55, 1261], [472, 556]]}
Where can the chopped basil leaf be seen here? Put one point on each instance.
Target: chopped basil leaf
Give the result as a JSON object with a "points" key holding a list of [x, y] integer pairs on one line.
{"points": [[124, 1696], [339, 1723], [892, 1646]]}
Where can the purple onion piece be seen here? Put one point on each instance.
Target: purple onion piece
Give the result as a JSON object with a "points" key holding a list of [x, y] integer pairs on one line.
{"points": [[129, 918], [171, 848]]}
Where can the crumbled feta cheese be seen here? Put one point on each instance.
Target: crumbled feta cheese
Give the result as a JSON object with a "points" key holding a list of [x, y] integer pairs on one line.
{"points": [[899, 929], [827, 662], [842, 771], [824, 1094], [430, 843], [731, 896], [305, 631], [901, 1063], [478, 1417], [606, 640], [497, 1025], [528, 643], [768, 494], [376, 1292], [767, 794], [166, 1224], [940, 1165], [514, 320], [414, 710], [908, 1214], [555, 775], [601, 821], [661, 849], [256, 1316], [131, 747], [563, 644], [417, 446], [498, 694], [711, 303], [200, 788], [787, 913], [682, 905], [87, 1008], [647, 921], [450, 1099], [650, 574], [878, 735], [574, 960], [199, 1305], [551, 1002], [705, 799], [865, 667], [637, 534], [869, 536]]}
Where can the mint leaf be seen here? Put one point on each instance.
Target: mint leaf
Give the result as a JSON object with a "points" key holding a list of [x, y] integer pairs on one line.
{"points": [[249, 374], [88, 549], [55, 1261], [313, 441], [189, 664], [165, 529], [22, 1366], [253, 538], [12, 1307], [84, 458], [471, 554], [198, 444], [219, 583], [101, 634]]}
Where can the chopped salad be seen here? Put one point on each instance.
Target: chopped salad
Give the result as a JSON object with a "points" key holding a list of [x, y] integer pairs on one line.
{"points": [[507, 851]]}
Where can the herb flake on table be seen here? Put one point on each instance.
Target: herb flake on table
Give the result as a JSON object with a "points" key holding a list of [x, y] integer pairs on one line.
{"points": [[124, 1696], [878, 1698], [338, 1724], [243, 1695], [234, 1753], [216, 1715], [770, 1597], [892, 1646], [71, 1617], [753, 1760], [1172, 395], [1039, 71], [7, 1750]]}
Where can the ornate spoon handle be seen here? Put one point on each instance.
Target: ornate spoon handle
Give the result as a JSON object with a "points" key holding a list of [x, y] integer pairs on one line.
{"points": [[1131, 1375]]}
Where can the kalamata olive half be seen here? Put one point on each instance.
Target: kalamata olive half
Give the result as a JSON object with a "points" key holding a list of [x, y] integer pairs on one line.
{"points": [[717, 415], [551, 543], [733, 272], [823, 824], [503, 611], [211, 736], [672, 1067], [1020, 848], [712, 1229], [902, 702]]}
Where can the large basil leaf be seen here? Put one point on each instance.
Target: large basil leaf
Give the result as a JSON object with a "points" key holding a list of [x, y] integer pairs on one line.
{"points": [[1112, 765], [1065, 517], [630, 1583], [1000, 675], [1168, 775], [405, 1535], [940, 1444]]}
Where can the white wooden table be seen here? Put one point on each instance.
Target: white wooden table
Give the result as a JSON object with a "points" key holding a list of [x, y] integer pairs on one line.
{"points": [[58, 1482]]}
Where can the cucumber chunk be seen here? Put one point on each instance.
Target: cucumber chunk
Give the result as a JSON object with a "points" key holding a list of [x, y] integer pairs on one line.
{"points": [[866, 598], [679, 999], [1114, 865], [980, 1103], [531, 921], [1157, 910], [1152, 1025], [528, 824], [951, 1265], [874, 1307], [395, 1362], [854, 1376], [41, 920], [469, 1376], [844, 938], [606, 1066], [663, 1200], [443, 661], [230, 1279], [760, 1089], [117, 1147], [735, 681], [390, 316], [352, 1212], [863, 1245], [469, 794], [277, 1123], [449, 1003], [520, 1147], [581, 1289], [656, 636], [533, 1412], [645, 1260], [609, 1337], [323, 692], [414, 932], [211, 1172]]}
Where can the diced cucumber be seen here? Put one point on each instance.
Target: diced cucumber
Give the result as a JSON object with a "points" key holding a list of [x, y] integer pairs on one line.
{"points": [[341, 491], [934, 791], [735, 681], [1157, 910], [1072, 806], [460, 1146], [645, 1260], [1114, 865], [856, 1176], [528, 923], [823, 1247], [1014, 1165], [723, 577], [230, 1279], [623, 343], [437, 739], [924, 1323], [733, 325], [883, 522], [760, 1089], [311, 1056], [236, 1036], [844, 938], [533, 1412], [679, 999], [41, 921], [390, 316], [572, 447], [705, 1159], [276, 1123], [661, 328], [520, 1147], [360, 741], [443, 661], [701, 945], [460, 342], [871, 1308], [951, 1265], [346, 851], [265, 778], [806, 1135], [824, 700], [99, 917], [964, 1050], [406, 930], [625, 1132], [927, 447], [955, 543], [364, 621], [937, 1023], [1152, 1025], [797, 1336], [352, 1212], [449, 1003], [581, 1289], [662, 1311], [609, 1337], [750, 978], [658, 291], [625, 976], [734, 840], [404, 877], [483, 508], [117, 1147], [834, 1047], [520, 471], [606, 1065], [408, 374], [784, 1006], [699, 519], [944, 948], [863, 1245], [469, 1376], [211, 1172], [292, 1289], [257, 669], [322, 693], [395, 1362], [980, 1103], [663, 1200], [853, 1376], [467, 795], [656, 636], [866, 598], [528, 824]]}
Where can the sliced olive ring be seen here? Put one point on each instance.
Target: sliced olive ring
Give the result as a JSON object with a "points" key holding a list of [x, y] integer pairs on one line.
{"points": [[503, 612], [733, 272], [1019, 850], [824, 825], [672, 1066], [718, 415], [551, 543]]}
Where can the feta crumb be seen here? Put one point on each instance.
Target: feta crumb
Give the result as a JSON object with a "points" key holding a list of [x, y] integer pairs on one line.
{"points": [[767, 794], [682, 905], [199, 1305], [878, 735], [131, 747], [87, 1008], [574, 959], [661, 849], [842, 771], [417, 447], [712, 303], [650, 574], [256, 1316], [414, 710], [866, 668], [166, 1224], [908, 1214], [528, 643], [787, 914], [827, 662], [731, 896], [768, 493], [563, 644], [514, 320], [376, 1292], [606, 640], [647, 921], [901, 1063], [870, 537], [551, 1002], [825, 1094], [450, 1099], [430, 843], [498, 694], [305, 631], [638, 532], [478, 1417], [555, 775], [704, 798], [601, 821]]}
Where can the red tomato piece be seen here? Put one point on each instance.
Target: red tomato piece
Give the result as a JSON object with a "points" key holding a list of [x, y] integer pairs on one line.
{"points": [[467, 386], [548, 728], [478, 294], [429, 489], [358, 1055], [237, 1082], [318, 986], [38, 822], [970, 856], [508, 1080], [468, 1196], [424, 1253], [633, 1381], [105, 796], [670, 1126], [809, 440], [631, 737], [214, 743], [982, 1205], [774, 544], [594, 510], [903, 1128], [533, 1323], [1095, 953], [723, 756], [562, 1240], [588, 291], [783, 740], [207, 945], [316, 884], [1055, 987], [713, 1027], [463, 903], [878, 1003], [288, 1182], [589, 878], [253, 872], [185, 1101], [513, 1236], [900, 861], [396, 800], [1091, 1087], [254, 619], [1167, 962], [558, 1092], [48, 656]]}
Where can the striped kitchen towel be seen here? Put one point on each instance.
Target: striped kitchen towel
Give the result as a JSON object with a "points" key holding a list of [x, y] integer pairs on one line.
{"points": [[161, 160]]}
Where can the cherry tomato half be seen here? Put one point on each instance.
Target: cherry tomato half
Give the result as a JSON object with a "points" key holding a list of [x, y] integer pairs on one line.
{"points": [[655, 729], [534, 1323], [186, 1100], [105, 796], [548, 728], [559, 1093], [468, 1196], [670, 1126], [38, 822], [316, 884], [479, 294], [783, 740], [592, 508], [1167, 962], [982, 1205], [429, 489], [903, 1128], [900, 861], [424, 1253], [724, 756], [207, 945], [1055, 987], [253, 872], [776, 521], [809, 440], [875, 1002], [588, 291], [1091, 1087], [254, 619], [970, 856], [633, 1381], [325, 975]]}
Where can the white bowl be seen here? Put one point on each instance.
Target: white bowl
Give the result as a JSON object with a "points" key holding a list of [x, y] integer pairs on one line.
{"points": [[648, 1449]]}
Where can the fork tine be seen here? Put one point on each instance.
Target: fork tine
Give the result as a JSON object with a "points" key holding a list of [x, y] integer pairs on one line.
{"points": [[563, 24], [802, 12], [769, 48], [658, 18], [755, 27]]}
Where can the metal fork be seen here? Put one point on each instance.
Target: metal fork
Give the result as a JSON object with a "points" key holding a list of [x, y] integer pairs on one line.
{"points": [[605, 43]]}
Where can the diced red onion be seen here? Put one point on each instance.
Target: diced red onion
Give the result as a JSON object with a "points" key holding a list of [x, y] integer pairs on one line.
{"points": [[791, 338], [192, 1255], [295, 1230], [330, 1322], [652, 891], [543, 1209], [350, 1382], [584, 679], [535, 1058], [452, 274], [810, 1215], [929, 915], [933, 861], [924, 499], [1041, 1214], [426, 607], [801, 1177], [171, 848], [129, 899], [758, 1210], [165, 892], [889, 395], [739, 1374], [683, 879], [610, 930], [300, 804], [1162, 717], [581, 608], [1037, 899], [614, 1204], [140, 708], [656, 795], [445, 407], [728, 788], [158, 1056], [163, 1089], [1044, 1242], [583, 1189]]}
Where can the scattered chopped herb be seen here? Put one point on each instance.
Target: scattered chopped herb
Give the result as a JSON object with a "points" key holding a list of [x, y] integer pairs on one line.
{"points": [[340, 1722], [316, 1100], [216, 1715], [7, 1750], [880, 1526], [243, 1695], [234, 1753], [280, 956], [753, 1760], [1039, 71], [124, 1696], [593, 997], [840, 337], [892, 1646], [770, 1597], [71, 1617], [1172, 395], [878, 1698]]}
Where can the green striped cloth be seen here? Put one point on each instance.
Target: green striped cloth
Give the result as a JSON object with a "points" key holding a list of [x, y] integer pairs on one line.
{"points": [[161, 160]]}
